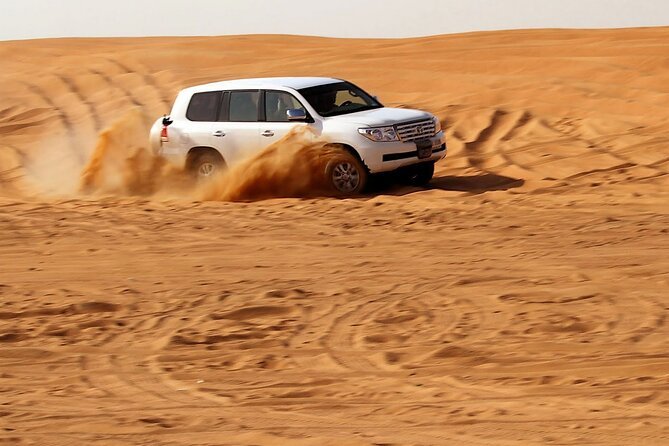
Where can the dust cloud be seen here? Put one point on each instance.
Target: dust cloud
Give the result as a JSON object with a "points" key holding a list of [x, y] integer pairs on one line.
{"points": [[121, 164], [294, 166]]}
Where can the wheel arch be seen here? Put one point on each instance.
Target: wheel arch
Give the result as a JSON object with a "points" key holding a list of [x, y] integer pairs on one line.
{"points": [[195, 152], [350, 149]]}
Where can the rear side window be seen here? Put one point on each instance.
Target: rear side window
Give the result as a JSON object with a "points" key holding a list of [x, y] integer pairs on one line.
{"points": [[204, 106], [244, 106]]}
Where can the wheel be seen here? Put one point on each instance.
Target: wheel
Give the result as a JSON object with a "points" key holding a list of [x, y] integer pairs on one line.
{"points": [[419, 174], [346, 174], [206, 165]]}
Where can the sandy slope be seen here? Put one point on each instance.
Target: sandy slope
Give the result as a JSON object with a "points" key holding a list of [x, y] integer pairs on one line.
{"points": [[522, 300]]}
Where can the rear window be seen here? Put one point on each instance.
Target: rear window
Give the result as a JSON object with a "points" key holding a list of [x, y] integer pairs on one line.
{"points": [[204, 106]]}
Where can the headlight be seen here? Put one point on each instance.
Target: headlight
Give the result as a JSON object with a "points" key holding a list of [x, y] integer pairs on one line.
{"points": [[437, 125], [380, 134]]}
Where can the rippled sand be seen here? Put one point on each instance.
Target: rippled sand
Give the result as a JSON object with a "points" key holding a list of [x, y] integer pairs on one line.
{"points": [[520, 300]]}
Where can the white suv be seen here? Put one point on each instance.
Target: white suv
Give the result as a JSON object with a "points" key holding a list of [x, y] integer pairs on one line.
{"points": [[219, 124]]}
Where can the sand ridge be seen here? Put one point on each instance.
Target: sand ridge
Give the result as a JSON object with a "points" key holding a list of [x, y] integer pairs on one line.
{"points": [[520, 300]]}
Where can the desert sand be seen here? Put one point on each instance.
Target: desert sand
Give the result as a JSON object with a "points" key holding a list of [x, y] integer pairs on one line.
{"points": [[522, 299]]}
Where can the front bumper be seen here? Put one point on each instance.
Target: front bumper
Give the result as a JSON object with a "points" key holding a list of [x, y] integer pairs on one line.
{"points": [[388, 156]]}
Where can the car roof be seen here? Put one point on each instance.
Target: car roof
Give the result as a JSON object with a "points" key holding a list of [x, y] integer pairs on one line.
{"points": [[295, 83]]}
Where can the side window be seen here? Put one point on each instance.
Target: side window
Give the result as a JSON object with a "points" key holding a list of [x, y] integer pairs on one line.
{"points": [[225, 107], [204, 106], [244, 106], [277, 103]]}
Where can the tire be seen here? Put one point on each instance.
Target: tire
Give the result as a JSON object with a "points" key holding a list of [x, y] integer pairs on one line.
{"points": [[206, 165], [418, 174], [345, 174]]}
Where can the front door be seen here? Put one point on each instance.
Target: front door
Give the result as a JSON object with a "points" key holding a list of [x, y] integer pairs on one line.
{"points": [[276, 124]]}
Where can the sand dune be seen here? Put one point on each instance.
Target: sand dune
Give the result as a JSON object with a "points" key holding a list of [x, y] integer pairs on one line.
{"points": [[521, 300]]}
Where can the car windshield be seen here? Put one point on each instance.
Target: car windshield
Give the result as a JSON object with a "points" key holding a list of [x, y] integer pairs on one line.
{"points": [[339, 98]]}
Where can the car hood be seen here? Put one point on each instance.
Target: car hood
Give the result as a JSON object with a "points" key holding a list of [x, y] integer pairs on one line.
{"points": [[382, 116]]}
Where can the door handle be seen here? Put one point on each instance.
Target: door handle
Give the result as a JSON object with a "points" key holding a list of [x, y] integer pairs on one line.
{"points": [[268, 133], [219, 133]]}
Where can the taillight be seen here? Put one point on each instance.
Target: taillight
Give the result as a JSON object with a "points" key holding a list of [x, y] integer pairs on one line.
{"points": [[163, 135]]}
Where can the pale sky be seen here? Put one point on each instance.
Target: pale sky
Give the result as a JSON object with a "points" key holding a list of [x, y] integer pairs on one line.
{"points": [[24, 19]]}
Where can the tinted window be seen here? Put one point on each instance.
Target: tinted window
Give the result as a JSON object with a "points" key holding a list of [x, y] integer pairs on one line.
{"points": [[244, 106], [224, 108], [277, 104], [339, 98], [204, 106]]}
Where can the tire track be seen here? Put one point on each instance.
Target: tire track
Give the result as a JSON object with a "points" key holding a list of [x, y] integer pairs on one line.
{"points": [[127, 94], [136, 378], [18, 175], [5, 112], [593, 144], [90, 108], [84, 365], [146, 77], [659, 163], [64, 118], [6, 129], [503, 126], [339, 334]]}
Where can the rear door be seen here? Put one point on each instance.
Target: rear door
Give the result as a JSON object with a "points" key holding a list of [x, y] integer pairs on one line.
{"points": [[196, 129], [237, 133], [275, 124]]}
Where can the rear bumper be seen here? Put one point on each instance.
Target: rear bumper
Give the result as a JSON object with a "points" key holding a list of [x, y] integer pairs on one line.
{"points": [[385, 157]]}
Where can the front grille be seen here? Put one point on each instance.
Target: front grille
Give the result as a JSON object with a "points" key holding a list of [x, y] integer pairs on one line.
{"points": [[414, 131]]}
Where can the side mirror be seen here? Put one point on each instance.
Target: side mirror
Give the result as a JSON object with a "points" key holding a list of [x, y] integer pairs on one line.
{"points": [[167, 121], [296, 114]]}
